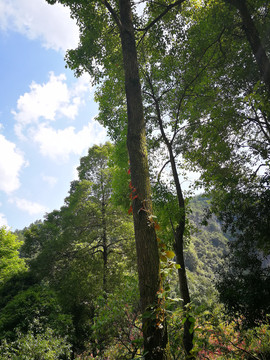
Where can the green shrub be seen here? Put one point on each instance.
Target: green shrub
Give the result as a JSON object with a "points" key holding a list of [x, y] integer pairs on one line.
{"points": [[31, 346], [37, 302]]}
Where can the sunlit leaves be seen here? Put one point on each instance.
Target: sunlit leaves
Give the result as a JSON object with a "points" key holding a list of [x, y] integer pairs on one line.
{"points": [[10, 261]]}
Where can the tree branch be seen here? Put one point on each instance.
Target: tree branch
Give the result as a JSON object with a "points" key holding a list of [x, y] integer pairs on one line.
{"points": [[160, 16], [163, 167], [113, 13], [245, 351]]}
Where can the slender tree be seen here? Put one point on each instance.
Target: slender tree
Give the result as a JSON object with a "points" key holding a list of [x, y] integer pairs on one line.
{"points": [[178, 231]]}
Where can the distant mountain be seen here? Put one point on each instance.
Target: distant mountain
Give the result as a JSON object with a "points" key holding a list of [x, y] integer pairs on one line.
{"points": [[205, 251]]}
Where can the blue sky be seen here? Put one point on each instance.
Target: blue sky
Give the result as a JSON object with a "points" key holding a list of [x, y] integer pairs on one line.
{"points": [[46, 114]]}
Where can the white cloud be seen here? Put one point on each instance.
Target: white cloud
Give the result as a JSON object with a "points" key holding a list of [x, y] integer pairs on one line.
{"points": [[36, 19], [30, 207], [11, 163], [3, 221], [51, 180], [59, 144], [46, 102]]}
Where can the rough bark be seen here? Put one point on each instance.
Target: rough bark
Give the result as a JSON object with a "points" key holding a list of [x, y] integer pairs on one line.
{"points": [[155, 337], [104, 246], [254, 40]]}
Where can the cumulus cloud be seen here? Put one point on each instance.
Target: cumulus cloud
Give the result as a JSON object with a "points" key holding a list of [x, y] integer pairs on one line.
{"points": [[30, 207], [51, 180], [36, 19], [11, 163], [59, 144], [47, 102], [51, 101]]}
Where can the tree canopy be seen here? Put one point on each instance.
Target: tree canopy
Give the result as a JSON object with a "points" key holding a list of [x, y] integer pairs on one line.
{"points": [[181, 85], [10, 261]]}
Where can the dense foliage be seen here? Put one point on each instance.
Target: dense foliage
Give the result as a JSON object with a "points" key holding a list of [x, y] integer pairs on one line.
{"points": [[10, 261], [187, 85], [64, 307]]}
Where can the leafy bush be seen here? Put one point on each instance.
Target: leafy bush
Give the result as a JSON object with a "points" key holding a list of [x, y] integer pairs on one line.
{"points": [[37, 302], [31, 346], [218, 339]]}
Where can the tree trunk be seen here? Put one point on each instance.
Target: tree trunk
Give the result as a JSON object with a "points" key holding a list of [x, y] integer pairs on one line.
{"points": [[154, 327], [104, 246], [254, 40], [179, 252], [178, 235]]}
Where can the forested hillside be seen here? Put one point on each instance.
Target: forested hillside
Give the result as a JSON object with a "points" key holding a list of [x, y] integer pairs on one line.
{"points": [[205, 252], [69, 283], [133, 266]]}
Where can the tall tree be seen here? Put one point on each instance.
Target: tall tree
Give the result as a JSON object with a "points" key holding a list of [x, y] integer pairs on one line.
{"points": [[155, 336], [112, 233], [84, 250], [105, 29], [160, 85], [94, 168]]}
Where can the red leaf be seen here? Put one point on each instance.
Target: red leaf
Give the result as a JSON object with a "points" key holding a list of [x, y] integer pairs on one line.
{"points": [[135, 197], [130, 185], [162, 245], [128, 171], [130, 210], [157, 227]]}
